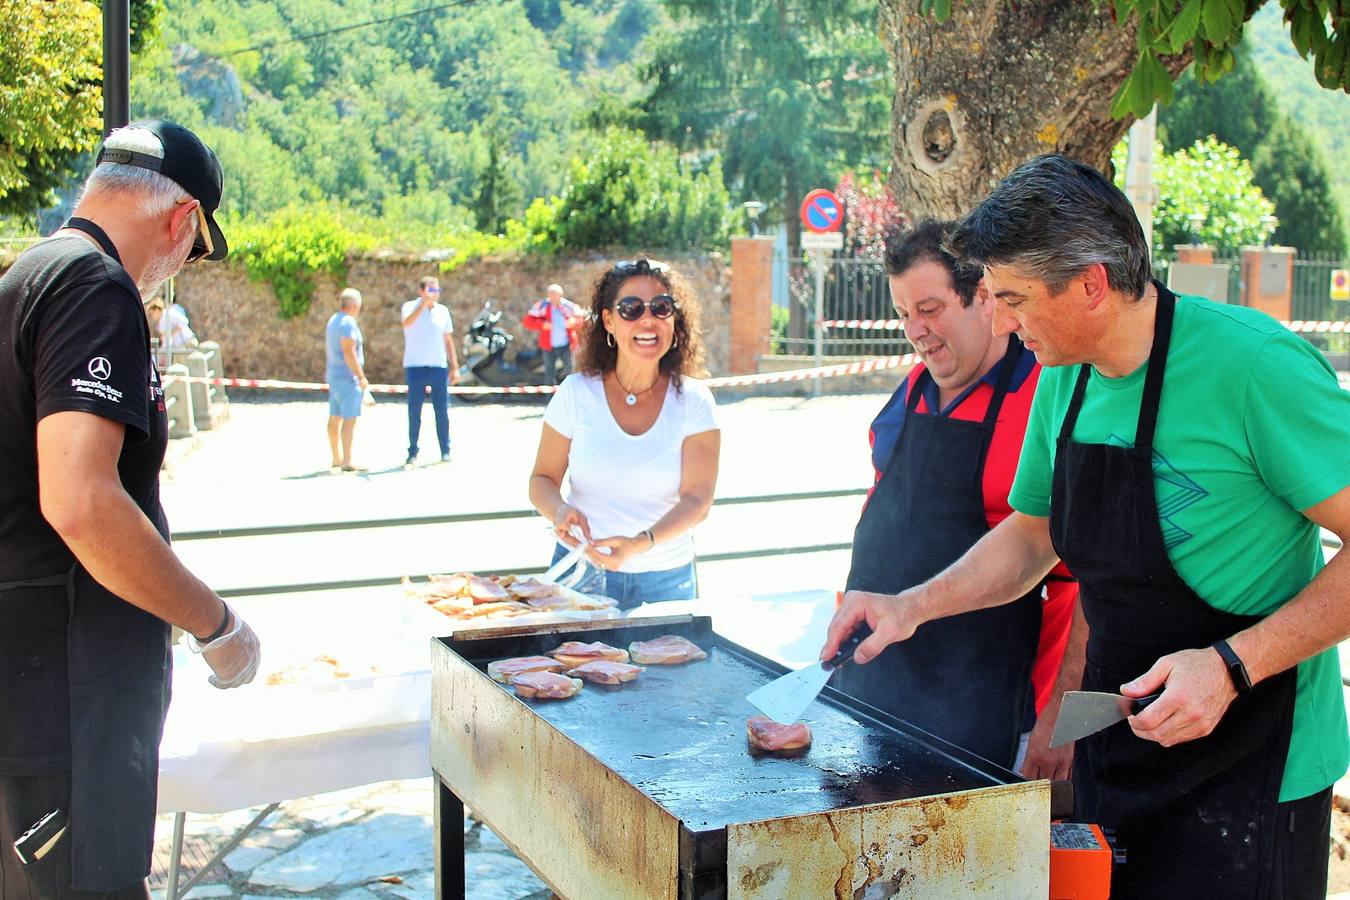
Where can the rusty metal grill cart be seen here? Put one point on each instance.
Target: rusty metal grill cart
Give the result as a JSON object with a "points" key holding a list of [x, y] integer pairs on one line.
{"points": [[647, 790]]}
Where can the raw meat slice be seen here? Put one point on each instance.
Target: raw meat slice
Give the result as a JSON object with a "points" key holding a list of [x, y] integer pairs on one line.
{"points": [[485, 590], [602, 671], [503, 670], [574, 653], [533, 589], [545, 685], [774, 737], [667, 650]]}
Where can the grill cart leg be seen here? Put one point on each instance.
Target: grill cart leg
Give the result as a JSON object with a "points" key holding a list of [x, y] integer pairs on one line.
{"points": [[449, 842]]}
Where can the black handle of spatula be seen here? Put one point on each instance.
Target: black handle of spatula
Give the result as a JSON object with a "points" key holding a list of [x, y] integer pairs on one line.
{"points": [[1141, 703], [846, 651]]}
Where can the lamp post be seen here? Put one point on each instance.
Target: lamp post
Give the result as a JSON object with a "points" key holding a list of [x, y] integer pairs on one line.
{"points": [[1194, 221], [752, 209], [1270, 223]]}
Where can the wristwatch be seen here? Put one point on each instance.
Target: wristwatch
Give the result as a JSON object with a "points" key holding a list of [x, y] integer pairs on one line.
{"points": [[1236, 670]]}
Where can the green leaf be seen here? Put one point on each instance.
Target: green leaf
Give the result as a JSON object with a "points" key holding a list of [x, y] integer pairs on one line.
{"points": [[942, 10], [1185, 25], [1217, 21], [1159, 83]]}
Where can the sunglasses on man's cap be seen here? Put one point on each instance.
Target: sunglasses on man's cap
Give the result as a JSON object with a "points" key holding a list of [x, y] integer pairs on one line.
{"points": [[201, 244]]}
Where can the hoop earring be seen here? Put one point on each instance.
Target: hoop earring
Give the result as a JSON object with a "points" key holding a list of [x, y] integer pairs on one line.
{"points": [[609, 338], [674, 342]]}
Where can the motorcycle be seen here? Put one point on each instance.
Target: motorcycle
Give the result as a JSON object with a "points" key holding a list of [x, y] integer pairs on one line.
{"points": [[485, 360]]}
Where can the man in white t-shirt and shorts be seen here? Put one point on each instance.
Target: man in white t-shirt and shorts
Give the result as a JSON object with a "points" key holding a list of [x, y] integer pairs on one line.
{"points": [[430, 361]]}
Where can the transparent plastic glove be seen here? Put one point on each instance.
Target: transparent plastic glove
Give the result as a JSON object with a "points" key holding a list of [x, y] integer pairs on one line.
{"points": [[233, 656]]}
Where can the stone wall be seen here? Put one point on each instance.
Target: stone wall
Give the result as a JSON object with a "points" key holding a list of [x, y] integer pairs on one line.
{"points": [[225, 306]]}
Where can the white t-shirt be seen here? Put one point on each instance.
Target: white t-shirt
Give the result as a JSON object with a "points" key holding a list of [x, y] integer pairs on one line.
{"points": [[424, 340], [623, 483]]}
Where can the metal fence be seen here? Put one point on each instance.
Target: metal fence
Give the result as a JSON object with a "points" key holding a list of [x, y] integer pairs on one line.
{"points": [[1312, 288], [858, 289], [852, 289]]}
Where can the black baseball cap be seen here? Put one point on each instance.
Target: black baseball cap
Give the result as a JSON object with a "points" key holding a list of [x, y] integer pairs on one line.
{"points": [[180, 157]]}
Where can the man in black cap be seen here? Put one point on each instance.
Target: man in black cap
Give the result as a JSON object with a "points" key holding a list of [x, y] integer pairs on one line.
{"points": [[88, 583]]}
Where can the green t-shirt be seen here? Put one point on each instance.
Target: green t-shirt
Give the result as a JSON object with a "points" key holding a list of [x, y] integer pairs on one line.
{"points": [[1252, 428]]}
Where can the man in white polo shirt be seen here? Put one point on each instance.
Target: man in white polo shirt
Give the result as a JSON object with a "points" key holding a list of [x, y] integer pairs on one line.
{"points": [[430, 361]]}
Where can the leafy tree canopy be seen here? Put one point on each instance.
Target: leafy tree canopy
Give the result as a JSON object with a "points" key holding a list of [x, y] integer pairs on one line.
{"points": [[1208, 178], [632, 193], [791, 92], [1210, 31], [1242, 111], [50, 91]]}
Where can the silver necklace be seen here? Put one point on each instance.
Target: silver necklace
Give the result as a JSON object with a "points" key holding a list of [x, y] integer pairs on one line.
{"points": [[631, 396]]}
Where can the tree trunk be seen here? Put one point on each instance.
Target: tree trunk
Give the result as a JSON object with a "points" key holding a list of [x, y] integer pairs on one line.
{"points": [[996, 84]]}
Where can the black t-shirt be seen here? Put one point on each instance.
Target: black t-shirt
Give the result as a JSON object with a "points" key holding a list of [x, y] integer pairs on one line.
{"points": [[73, 337]]}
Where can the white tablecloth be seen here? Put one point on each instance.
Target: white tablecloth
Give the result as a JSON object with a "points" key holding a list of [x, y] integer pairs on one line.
{"points": [[226, 750]]}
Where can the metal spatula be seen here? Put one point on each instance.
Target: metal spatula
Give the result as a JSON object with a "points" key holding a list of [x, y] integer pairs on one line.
{"points": [[785, 698]]}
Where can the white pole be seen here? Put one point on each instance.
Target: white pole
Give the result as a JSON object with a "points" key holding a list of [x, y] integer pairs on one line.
{"points": [[1139, 185], [818, 263]]}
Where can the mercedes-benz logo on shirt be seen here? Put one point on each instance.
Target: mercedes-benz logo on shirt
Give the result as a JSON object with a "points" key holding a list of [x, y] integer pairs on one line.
{"points": [[100, 368]]}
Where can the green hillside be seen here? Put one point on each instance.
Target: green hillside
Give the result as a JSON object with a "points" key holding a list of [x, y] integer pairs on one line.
{"points": [[1324, 114], [452, 117]]}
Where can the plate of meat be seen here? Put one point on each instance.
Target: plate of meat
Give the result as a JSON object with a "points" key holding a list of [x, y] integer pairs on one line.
{"points": [[767, 736], [479, 600], [667, 650], [545, 686], [574, 653], [603, 671]]}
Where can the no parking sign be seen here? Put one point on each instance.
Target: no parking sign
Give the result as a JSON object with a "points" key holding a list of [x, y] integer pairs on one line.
{"points": [[822, 212], [1340, 284]]}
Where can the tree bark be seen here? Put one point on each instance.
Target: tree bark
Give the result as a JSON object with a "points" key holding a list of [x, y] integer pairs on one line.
{"points": [[997, 84]]}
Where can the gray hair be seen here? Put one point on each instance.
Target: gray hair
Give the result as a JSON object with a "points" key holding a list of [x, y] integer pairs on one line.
{"points": [[348, 297], [149, 193], [1051, 219]]}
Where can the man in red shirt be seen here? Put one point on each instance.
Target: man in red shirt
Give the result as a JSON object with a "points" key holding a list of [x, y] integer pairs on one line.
{"points": [[556, 319], [944, 450]]}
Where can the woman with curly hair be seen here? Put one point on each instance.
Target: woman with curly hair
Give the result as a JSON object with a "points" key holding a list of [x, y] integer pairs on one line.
{"points": [[636, 436]]}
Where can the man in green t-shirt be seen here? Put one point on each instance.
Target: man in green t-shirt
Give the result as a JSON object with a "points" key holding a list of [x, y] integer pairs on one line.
{"points": [[1180, 458]]}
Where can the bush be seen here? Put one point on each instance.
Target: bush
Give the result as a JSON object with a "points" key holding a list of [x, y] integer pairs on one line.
{"points": [[289, 249], [778, 329], [632, 193], [1208, 177]]}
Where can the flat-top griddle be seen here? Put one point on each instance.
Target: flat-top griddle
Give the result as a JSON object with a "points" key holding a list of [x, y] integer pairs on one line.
{"points": [[673, 745]]}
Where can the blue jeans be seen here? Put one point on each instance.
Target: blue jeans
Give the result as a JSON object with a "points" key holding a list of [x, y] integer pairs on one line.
{"points": [[558, 363], [632, 589], [419, 379]]}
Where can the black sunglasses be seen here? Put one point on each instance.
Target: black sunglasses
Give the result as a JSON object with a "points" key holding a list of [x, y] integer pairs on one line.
{"points": [[640, 267], [630, 309]]}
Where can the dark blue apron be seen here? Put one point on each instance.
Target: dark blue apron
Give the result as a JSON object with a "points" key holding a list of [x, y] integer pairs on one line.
{"points": [[119, 664], [965, 678], [1199, 816]]}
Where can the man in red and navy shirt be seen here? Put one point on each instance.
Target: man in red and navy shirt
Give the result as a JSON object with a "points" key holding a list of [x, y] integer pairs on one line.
{"points": [[945, 449]]}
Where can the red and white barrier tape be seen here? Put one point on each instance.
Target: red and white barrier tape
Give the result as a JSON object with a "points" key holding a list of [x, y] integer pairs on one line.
{"points": [[853, 368], [1297, 326]]}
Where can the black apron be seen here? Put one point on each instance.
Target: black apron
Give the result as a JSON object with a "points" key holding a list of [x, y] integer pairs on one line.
{"points": [[965, 678], [119, 665], [1197, 818]]}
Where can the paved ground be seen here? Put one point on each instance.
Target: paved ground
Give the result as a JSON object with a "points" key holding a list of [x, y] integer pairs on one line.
{"points": [[268, 465]]}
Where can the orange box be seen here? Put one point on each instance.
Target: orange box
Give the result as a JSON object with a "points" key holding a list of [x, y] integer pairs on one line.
{"points": [[1080, 862]]}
